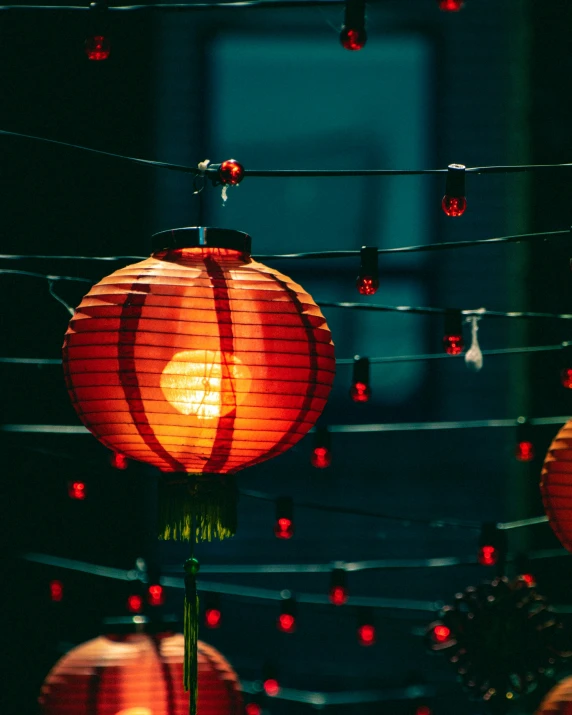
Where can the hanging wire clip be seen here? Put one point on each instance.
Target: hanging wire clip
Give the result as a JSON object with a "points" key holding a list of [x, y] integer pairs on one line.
{"points": [[474, 355]]}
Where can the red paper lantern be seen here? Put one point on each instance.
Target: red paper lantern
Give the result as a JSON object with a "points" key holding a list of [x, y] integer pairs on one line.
{"points": [[138, 674], [558, 701], [201, 362], [556, 485]]}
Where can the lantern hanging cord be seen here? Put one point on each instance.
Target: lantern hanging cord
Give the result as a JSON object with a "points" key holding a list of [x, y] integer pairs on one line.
{"points": [[481, 312], [212, 170], [350, 361], [539, 237]]}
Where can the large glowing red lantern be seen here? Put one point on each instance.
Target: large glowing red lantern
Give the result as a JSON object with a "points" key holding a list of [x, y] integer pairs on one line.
{"points": [[138, 674], [201, 362], [556, 485]]}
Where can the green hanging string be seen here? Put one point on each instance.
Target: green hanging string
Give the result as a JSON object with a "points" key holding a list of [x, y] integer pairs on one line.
{"points": [[191, 632]]}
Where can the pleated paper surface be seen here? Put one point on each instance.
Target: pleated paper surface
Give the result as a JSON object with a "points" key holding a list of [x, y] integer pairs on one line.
{"points": [[198, 360], [556, 485], [138, 675], [558, 701]]}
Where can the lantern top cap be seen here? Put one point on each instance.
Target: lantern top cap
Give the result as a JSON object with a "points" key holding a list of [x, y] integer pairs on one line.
{"points": [[196, 236]]}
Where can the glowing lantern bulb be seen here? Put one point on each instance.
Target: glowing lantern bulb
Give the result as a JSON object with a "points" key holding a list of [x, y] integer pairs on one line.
{"points": [[353, 38], [155, 595], [135, 603], [441, 633], [321, 457], [488, 555], [454, 202], [524, 451], [566, 378], [213, 618], [97, 48], [205, 383], [366, 635], [360, 392], [76, 490], [271, 687], [56, 591], [284, 528], [253, 709], [286, 623], [450, 5], [230, 172], [338, 595], [367, 285], [119, 461], [454, 205]]}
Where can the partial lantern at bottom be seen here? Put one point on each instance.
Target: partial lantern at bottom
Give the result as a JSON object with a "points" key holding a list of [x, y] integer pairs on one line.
{"points": [[558, 701], [138, 674]]}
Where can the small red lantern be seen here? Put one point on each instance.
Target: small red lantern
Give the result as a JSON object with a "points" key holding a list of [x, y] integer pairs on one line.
{"points": [[556, 485], [559, 699], [138, 674]]}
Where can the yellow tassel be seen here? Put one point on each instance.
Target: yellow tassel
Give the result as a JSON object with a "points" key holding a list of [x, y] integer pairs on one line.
{"points": [[209, 502]]}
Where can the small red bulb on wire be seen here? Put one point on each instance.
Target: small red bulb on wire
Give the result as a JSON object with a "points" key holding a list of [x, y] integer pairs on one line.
{"points": [[155, 595], [230, 172], [134, 603], [528, 579], [338, 593], [76, 490], [97, 48], [423, 710], [56, 591], [453, 342], [450, 5], [524, 450], [440, 633], [287, 619], [321, 454], [118, 461], [353, 35], [213, 613], [492, 545], [360, 390], [253, 709], [284, 525], [366, 627], [454, 202], [271, 687], [367, 281], [566, 377]]}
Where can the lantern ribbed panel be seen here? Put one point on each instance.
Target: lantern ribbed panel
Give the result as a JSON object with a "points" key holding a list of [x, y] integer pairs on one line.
{"points": [[253, 347], [556, 485], [558, 701], [138, 675]]}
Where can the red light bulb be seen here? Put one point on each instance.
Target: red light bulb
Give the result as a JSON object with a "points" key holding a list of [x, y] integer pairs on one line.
{"points": [[286, 623], [253, 709], [366, 635], [135, 603], [488, 555], [56, 591], [230, 172], [271, 687], [441, 633], [450, 6], [360, 392], [76, 490], [353, 38], [97, 48], [213, 618], [524, 451], [367, 285], [453, 344], [338, 595], [119, 461], [284, 528], [155, 595], [321, 457], [423, 710], [528, 579], [454, 205], [566, 377]]}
